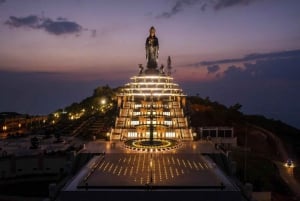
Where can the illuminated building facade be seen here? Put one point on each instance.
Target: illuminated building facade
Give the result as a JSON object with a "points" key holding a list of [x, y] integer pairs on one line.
{"points": [[151, 102], [152, 105]]}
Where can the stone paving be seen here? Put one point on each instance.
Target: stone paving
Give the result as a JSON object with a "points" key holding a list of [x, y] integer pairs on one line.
{"points": [[153, 168], [185, 166]]}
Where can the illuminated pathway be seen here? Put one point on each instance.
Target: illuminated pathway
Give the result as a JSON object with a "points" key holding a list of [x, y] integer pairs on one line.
{"points": [[121, 173], [152, 168]]}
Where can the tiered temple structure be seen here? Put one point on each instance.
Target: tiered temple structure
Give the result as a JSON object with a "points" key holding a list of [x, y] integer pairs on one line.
{"points": [[156, 164], [152, 106]]}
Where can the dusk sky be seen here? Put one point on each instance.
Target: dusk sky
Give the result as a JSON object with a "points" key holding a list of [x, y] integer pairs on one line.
{"points": [[55, 52]]}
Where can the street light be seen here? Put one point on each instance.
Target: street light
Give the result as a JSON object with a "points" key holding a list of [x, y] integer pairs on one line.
{"points": [[102, 104]]}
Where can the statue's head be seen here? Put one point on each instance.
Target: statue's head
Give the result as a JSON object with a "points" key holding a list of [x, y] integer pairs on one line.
{"points": [[152, 31]]}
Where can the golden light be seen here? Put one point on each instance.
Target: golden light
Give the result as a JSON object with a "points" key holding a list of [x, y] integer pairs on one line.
{"points": [[289, 164], [103, 101], [19, 125], [4, 128]]}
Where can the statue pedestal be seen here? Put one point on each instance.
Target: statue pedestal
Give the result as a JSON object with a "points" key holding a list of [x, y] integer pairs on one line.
{"points": [[151, 71]]}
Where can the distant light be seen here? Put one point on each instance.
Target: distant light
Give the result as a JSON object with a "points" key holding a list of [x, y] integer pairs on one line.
{"points": [[4, 128], [103, 101], [289, 164]]}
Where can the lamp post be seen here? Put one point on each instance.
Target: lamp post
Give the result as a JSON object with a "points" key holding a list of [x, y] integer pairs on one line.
{"points": [[151, 121], [102, 104]]}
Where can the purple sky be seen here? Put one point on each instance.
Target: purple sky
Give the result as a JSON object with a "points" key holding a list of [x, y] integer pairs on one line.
{"points": [[55, 52]]}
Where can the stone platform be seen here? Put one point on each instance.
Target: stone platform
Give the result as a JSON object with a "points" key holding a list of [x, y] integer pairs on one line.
{"points": [[151, 176]]}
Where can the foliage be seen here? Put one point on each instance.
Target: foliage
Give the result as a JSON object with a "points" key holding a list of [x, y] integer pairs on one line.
{"points": [[93, 102], [262, 173], [204, 112], [289, 134]]}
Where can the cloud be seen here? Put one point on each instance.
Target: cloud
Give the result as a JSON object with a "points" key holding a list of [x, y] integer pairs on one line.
{"points": [[56, 27], [213, 69], [61, 19], [268, 87], [284, 68], [228, 3], [60, 27], [180, 5], [31, 21], [2, 1], [250, 57]]}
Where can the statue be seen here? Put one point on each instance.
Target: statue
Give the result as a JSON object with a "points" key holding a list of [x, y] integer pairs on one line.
{"points": [[161, 69], [141, 69], [152, 49]]}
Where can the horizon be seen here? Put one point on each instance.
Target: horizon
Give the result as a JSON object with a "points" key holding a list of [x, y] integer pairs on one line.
{"points": [[55, 53]]}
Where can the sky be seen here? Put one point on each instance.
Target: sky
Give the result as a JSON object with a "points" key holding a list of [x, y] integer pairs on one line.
{"points": [[55, 52]]}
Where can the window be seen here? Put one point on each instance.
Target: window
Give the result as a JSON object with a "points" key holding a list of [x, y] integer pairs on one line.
{"points": [[166, 113], [228, 133], [136, 113], [213, 133], [136, 106], [149, 122], [170, 134], [134, 123], [148, 134], [169, 123], [132, 134]]}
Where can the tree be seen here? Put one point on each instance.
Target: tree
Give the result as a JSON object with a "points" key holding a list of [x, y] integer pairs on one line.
{"points": [[236, 107]]}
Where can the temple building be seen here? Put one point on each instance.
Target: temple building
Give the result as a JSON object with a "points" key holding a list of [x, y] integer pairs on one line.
{"points": [[152, 103], [151, 100]]}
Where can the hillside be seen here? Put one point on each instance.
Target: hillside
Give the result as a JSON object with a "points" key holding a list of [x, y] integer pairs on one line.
{"points": [[259, 136], [262, 143], [205, 112]]}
